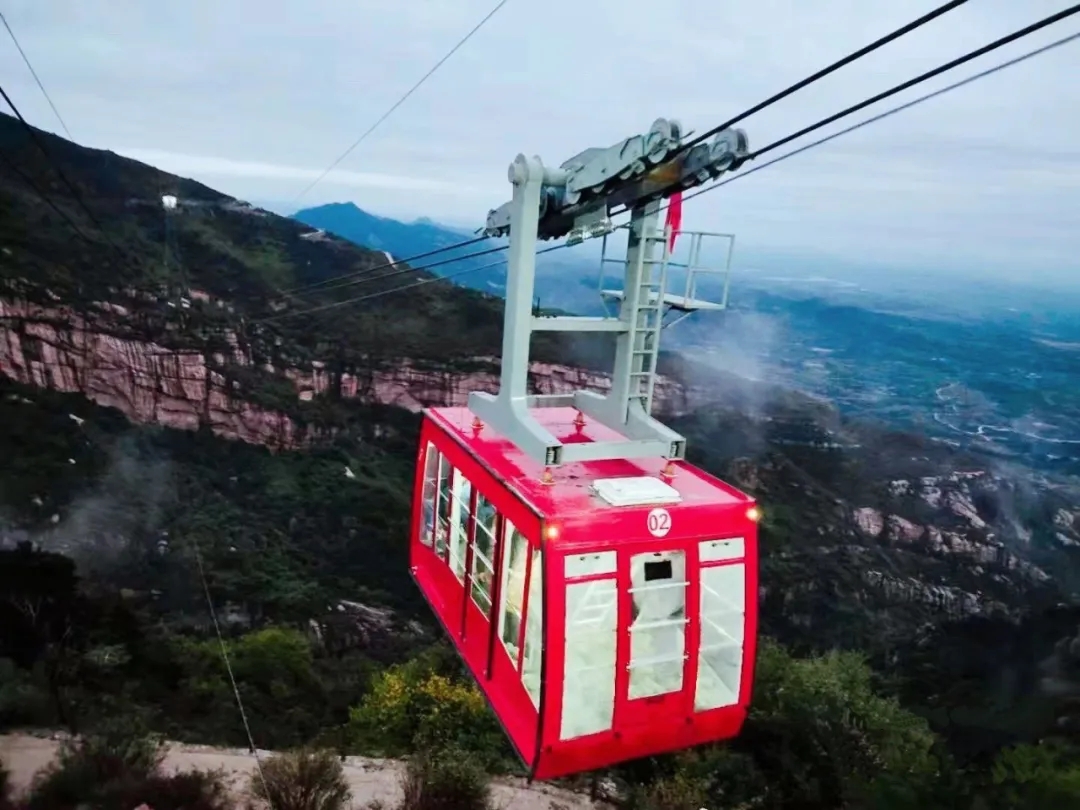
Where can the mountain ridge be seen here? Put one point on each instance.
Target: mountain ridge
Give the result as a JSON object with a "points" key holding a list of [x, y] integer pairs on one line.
{"points": [[873, 539]]}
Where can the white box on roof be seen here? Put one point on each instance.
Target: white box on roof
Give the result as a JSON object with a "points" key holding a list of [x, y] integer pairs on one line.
{"points": [[635, 491]]}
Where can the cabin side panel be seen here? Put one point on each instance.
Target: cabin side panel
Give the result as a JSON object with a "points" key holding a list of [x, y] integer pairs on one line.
{"points": [[472, 550]]}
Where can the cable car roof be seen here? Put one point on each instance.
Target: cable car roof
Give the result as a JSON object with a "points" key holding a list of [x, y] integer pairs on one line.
{"points": [[584, 487]]}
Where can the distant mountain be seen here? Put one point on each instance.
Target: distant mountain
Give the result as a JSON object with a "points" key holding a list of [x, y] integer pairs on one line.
{"points": [[405, 239], [379, 233], [485, 273]]}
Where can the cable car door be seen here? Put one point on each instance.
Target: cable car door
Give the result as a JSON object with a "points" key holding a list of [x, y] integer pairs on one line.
{"points": [[653, 587]]}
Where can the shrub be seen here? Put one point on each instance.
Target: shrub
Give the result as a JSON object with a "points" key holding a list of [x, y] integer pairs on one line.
{"points": [[448, 780], [5, 788], [189, 790], [412, 708], [678, 792], [111, 771], [91, 766], [303, 780]]}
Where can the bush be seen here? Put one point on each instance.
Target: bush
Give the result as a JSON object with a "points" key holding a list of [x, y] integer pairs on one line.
{"points": [[411, 707], [189, 790], [447, 780], [91, 765], [678, 792], [1044, 775], [5, 788], [110, 771], [302, 780], [820, 731]]}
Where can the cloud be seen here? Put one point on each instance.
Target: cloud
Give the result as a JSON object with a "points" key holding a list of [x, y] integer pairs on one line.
{"points": [[204, 166], [257, 98]]}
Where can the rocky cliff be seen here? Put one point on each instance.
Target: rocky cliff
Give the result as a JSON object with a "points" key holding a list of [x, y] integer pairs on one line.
{"points": [[58, 348]]}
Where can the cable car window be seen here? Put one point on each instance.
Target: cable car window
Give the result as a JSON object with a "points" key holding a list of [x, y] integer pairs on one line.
{"points": [[431, 488], [723, 606], [591, 634], [459, 524], [513, 589], [534, 628], [657, 570], [483, 569], [587, 565], [486, 514], [731, 548], [442, 528], [658, 626]]}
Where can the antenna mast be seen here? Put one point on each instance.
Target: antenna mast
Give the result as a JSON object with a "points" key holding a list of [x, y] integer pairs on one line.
{"points": [[575, 201]]}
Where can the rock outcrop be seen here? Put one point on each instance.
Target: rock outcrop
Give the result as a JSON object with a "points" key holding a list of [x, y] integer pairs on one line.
{"points": [[57, 348]]}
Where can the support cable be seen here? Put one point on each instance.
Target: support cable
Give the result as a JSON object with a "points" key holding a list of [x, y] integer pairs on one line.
{"points": [[851, 57], [44, 196], [228, 666], [985, 49], [814, 144], [926, 18], [360, 273], [930, 74], [41, 87], [890, 112], [63, 177], [403, 99]]}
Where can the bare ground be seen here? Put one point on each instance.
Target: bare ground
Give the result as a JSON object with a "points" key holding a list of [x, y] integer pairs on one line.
{"points": [[370, 779]]}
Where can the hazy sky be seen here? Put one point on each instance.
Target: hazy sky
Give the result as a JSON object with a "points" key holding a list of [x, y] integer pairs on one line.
{"points": [[257, 98]]}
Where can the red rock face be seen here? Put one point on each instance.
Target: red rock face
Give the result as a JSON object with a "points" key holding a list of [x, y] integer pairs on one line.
{"points": [[56, 348]]}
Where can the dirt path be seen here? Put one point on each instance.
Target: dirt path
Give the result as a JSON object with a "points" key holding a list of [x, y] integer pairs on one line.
{"points": [[370, 779]]}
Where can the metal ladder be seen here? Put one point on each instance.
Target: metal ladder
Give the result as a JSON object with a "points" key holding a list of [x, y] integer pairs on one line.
{"points": [[646, 315]]}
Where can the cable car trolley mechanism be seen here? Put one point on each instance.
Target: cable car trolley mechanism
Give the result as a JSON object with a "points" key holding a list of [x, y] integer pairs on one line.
{"points": [[601, 590]]}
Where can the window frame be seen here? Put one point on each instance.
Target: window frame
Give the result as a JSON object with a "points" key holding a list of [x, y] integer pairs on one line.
{"points": [[510, 533], [536, 560], [427, 529], [489, 558], [460, 524], [582, 570], [443, 505], [724, 552]]}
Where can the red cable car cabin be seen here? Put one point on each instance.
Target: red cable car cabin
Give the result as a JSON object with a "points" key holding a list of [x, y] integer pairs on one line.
{"points": [[607, 612]]}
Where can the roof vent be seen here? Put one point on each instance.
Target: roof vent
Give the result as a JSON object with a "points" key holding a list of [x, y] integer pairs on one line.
{"points": [[639, 491]]}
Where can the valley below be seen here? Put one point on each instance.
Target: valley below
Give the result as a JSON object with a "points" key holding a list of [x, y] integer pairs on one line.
{"points": [[190, 444]]}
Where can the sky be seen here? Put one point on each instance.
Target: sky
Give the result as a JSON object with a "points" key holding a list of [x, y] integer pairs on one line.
{"points": [[257, 98]]}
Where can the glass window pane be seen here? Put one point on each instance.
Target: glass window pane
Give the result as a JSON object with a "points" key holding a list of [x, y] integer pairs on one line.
{"points": [[534, 628], [459, 524], [431, 484], [723, 606], [483, 569], [589, 679], [486, 514], [513, 589], [442, 529], [658, 623], [587, 565]]}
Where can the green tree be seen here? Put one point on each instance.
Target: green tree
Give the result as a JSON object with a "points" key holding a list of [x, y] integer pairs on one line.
{"points": [[1044, 775], [823, 736], [412, 707]]}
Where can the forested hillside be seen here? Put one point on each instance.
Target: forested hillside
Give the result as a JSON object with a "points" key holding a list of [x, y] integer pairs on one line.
{"points": [[923, 638]]}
